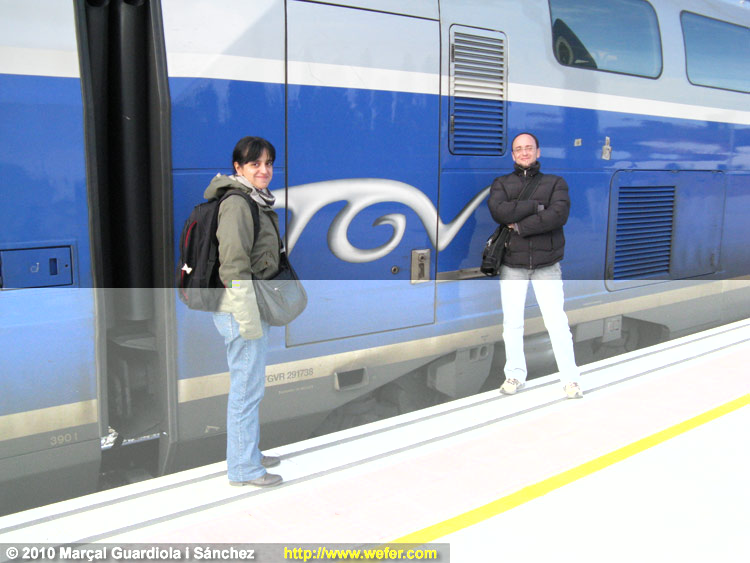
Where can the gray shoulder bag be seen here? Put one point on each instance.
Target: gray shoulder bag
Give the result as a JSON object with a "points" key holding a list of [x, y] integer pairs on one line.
{"points": [[282, 298]]}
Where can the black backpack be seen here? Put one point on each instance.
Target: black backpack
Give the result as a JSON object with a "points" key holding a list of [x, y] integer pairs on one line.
{"points": [[198, 279]]}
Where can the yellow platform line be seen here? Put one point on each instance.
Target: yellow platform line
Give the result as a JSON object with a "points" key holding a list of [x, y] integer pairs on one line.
{"points": [[441, 529]]}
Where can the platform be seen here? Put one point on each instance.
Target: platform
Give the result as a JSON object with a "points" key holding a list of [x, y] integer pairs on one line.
{"points": [[651, 465]]}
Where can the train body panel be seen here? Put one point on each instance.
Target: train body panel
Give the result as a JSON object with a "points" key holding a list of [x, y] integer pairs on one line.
{"points": [[387, 141], [49, 408]]}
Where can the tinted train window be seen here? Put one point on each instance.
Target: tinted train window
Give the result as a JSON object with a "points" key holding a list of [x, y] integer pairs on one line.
{"points": [[616, 36], [718, 53]]}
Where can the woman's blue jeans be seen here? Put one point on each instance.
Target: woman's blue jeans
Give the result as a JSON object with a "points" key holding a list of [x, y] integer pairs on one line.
{"points": [[247, 369]]}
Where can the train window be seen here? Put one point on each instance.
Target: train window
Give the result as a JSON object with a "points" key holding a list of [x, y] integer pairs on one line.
{"points": [[477, 91], [717, 52], [617, 36]]}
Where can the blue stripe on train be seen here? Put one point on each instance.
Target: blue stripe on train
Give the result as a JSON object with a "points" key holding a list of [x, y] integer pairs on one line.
{"points": [[230, 110], [46, 335]]}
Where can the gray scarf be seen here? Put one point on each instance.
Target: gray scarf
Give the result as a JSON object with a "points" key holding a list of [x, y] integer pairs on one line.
{"points": [[262, 197]]}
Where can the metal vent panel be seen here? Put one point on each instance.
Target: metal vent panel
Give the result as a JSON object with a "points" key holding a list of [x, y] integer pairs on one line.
{"points": [[663, 225], [478, 91], [643, 236]]}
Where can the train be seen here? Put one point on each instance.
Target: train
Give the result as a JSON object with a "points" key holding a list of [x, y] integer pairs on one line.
{"points": [[390, 118]]}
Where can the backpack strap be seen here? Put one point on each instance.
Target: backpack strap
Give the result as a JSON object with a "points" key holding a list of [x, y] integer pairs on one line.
{"points": [[256, 216], [251, 203]]}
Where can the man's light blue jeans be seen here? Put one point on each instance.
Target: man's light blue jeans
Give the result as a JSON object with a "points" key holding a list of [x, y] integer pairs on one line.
{"points": [[247, 369], [548, 289]]}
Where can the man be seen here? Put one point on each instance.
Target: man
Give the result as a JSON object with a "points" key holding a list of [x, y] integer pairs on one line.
{"points": [[533, 253]]}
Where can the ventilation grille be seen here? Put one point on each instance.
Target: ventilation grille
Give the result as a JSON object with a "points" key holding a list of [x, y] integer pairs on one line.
{"points": [[643, 240], [478, 93]]}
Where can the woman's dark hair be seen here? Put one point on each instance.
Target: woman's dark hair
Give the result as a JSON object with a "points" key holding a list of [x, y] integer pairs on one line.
{"points": [[526, 133], [250, 149]]}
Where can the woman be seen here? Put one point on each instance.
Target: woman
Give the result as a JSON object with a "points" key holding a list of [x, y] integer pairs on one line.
{"points": [[242, 256]]}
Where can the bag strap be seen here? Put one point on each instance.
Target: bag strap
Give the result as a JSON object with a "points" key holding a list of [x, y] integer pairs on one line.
{"points": [[530, 188], [527, 191], [256, 220], [251, 203]]}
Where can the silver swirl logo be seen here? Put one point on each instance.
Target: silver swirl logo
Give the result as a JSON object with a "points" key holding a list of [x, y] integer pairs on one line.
{"points": [[305, 200]]}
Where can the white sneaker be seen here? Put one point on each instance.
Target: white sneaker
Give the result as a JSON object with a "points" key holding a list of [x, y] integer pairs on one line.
{"points": [[573, 390], [511, 386]]}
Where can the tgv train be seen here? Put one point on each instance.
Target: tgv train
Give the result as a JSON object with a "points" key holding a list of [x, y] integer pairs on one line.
{"points": [[390, 118]]}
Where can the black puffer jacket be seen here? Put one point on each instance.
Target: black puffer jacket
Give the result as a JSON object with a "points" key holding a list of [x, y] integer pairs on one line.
{"points": [[540, 218]]}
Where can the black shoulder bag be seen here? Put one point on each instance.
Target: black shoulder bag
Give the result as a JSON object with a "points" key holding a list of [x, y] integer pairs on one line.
{"points": [[492, 256]]}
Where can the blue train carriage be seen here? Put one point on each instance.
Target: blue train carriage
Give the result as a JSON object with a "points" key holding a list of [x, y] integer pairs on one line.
{"points": [[390, 118], [387, 160], [49, 397]]}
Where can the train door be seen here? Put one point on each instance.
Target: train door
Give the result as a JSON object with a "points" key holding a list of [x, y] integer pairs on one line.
{"points": [[362, 149], [226, 81], [127, 139]]}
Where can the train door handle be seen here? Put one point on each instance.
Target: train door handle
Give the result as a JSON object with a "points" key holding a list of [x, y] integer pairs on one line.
{"points": [[420, 265]]}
